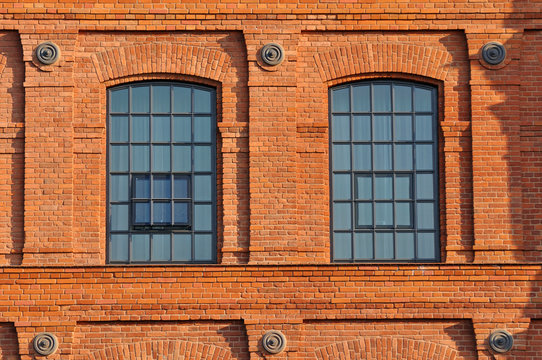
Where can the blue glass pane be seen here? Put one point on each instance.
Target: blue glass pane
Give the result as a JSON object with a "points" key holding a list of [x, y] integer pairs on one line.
{"points": [[403, 128], [382, 157], [403, 157], [422, 99], [202, 101], [140, 158], [403, 187], [141, 247], [161, 247], [426, 246], [364, 215], [118, 247], [405, 246], [161, 158], [361, 97], [342, 246], [424, 157], [119, 101], [182, 99], [161, 99], [202, 129], [140, 99], [362, 157], [363, 246], [342, 216], [425, 215], [181, 213], [403, 98], [160, 129], [119, 217], [202, 158], [424, 128], [182, 158], [142, 187], [382, 98], [161, 213], [403, 214], [383, 187], [182, 129], [341, 157], [119, 128], [382, 128], [118, 159], [384, 214], [181, 187], [341, 100], [203, 218], [341, 187], [203, 247], [364, 187], [140, 128], [384, 246], [424, 186], [202, 188], [182, 247], [162, 186], [142, 213], [362, 128], [118, 188], [341, 128]]}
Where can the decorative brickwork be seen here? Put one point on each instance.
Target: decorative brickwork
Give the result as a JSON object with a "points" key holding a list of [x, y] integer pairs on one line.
{"points": [[386, 348]]}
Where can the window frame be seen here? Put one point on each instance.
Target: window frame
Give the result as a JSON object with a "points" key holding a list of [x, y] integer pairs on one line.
{"points": [[168, 228], [354, 173]]}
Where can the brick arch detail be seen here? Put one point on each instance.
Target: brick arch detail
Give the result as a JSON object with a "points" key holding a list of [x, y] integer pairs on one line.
{"points": [[377, 348], [3, 61], [386, 57], [162, 350], [161, 58]]}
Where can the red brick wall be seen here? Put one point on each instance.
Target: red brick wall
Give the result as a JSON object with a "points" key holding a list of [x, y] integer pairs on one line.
{"points": [[274, 267]]}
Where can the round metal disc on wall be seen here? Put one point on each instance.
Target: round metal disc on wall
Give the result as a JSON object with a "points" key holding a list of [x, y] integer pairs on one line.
{"points": [[47, 53], [501, 341], [272, 54], [494, 53], [274, 341], [45, 343]]}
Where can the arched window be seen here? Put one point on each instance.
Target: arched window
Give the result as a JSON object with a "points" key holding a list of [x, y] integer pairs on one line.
{"points": [[384, 172], [162, 173]]}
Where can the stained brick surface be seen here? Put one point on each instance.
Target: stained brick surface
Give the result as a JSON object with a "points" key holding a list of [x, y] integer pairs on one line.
{"points": [[274, 269]]}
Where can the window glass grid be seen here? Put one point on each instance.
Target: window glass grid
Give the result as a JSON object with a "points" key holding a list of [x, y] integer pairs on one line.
{"points": [[404, 228], [166, 241]]}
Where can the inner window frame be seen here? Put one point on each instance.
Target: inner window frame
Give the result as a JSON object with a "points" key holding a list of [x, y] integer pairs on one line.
{"points": [[373, 229]]}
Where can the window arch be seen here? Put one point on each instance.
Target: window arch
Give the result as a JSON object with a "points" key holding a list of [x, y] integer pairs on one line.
{"points": [[384, 172], [161, 173]]}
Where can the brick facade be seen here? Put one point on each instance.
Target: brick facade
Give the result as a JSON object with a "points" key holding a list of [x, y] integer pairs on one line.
{"points": [[274, 265]]}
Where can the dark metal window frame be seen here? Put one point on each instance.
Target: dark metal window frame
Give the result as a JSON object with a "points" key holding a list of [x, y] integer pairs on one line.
{"points": [[355, 198], [151, 229]]}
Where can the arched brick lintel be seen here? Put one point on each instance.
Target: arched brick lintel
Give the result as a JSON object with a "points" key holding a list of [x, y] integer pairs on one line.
{"points": [[3, 61], [373, 348], [161, 58], [162, 350], [386, 58]]}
